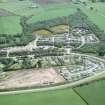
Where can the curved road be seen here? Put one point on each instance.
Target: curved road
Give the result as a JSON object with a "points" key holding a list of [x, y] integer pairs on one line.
{"points": [[88, 79]]}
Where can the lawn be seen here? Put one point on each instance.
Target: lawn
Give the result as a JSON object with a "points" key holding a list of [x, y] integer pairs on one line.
{"points": [[57, 97], [93, 93], [10, 25]]}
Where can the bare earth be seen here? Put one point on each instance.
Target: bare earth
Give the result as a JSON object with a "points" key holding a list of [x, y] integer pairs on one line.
{"points": [[28, 78], [45, 2], [5, 13]]}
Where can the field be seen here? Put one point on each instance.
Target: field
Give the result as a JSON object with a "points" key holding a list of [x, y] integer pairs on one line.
{"points": [[53, 11], [10, 14], [24, 8], [52, 30], [27, 78], [59, 29], [10, 25], [46, 2], [5, 13], [93, 93], [57, 97], [21, 8], [42, 32], [97, 15]]}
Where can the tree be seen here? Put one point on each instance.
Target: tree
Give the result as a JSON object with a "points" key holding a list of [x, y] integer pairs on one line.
{"points": [[93, 1], [39, 63], [101, 49], [91, 8]]}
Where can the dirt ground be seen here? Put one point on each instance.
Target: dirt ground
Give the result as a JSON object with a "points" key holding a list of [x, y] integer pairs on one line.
{"points": [[5, 13], [28, 78], [43, 2]]}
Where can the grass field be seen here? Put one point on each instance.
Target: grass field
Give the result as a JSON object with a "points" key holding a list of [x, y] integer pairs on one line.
{"points": [[58, 97], [10, 25], [93, 93], [97, 15], [22, 8], [54, 11]]}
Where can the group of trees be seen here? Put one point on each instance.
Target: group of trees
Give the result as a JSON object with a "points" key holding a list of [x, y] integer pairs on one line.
{"points": [[15, 40], [93, 1], [27, 60], [39, 52]]}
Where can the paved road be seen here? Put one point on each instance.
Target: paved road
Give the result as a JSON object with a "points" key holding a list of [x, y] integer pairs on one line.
{"points": [[83, 42]]}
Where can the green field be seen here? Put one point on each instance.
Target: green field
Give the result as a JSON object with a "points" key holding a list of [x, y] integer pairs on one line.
{"points": [[21, 8], [57, 97], [10, 25], [97, 15], [93, 93], [24, 8], [51, 12]]}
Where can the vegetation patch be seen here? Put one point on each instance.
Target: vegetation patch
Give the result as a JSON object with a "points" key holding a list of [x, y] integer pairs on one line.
{"points": [[57, 97], [59, 29], [42, 32], [93, 93], [10, 25], [5, 13]]}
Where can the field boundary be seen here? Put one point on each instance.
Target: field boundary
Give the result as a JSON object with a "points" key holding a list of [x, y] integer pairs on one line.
{"points": [[80, 96]]}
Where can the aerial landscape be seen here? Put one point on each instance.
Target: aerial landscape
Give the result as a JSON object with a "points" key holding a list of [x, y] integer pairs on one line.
{"points": [[52, 52]]}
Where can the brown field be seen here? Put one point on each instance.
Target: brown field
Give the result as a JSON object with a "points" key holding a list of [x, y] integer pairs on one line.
{"points": [[42, 32], [43, 2], [28, 78], [5, 13], [59, 29]]}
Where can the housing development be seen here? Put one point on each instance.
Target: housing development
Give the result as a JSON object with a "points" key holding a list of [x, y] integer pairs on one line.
{"points": [[52, 52]]}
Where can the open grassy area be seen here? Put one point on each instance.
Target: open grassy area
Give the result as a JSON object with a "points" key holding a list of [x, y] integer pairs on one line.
{"points": [[46, 12], [97, 15], [93, 93], [10, 25], [22, 8], [58, 97], [54, 11]]}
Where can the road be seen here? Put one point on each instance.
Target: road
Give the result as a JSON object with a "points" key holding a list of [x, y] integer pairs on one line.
{"points": [[86, 80]]}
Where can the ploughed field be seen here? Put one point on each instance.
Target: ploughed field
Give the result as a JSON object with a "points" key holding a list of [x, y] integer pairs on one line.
{"points": [[30, 78], [45, 2]]}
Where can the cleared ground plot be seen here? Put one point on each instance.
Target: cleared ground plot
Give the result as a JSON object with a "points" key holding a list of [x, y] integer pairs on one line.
{"points": [[28, 78]]}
